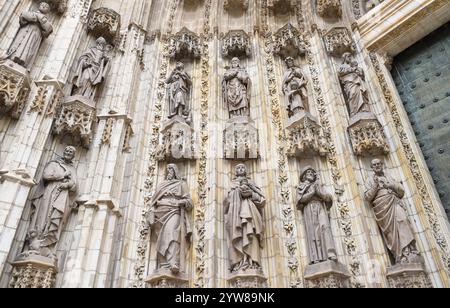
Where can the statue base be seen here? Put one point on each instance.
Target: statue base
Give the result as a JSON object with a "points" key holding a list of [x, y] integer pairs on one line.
{"points": [[14, 88], [241, 139], [178, 141], [367, 135], [76, 118], [327, 275], [305, 137], [250, 279], [33, 271], [408, 276], [165, 279]]}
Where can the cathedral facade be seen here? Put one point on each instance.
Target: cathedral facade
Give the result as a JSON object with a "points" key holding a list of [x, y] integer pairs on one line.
{"points": [[224, 143]]}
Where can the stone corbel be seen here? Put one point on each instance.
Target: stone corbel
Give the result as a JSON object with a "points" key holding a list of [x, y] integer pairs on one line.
{"points": [[58, 6], [14, 88], [235, 4], [281, 6], [289, 42], [338, 41], [105, 22], [367, 136], [177, 141], [48, 97], [185, 44], [329, 8], [236, 43], [241, 139], [21, 176]]}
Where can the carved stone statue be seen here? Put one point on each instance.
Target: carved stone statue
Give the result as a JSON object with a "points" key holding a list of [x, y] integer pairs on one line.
{"points": [[34, 28], [294, 89], [91, 71], [353, 82], [178, 91], [51, 205], [315, 203], [236, 86], [244, 205], [168, 218], [385, 195]]}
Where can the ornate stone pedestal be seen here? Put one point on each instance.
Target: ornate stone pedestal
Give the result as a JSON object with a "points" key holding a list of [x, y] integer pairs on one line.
{"points": [[250, 279], [367, 135], [408, 276], [305, 136], [329, 274], [14, 88], [329, 8], [33, 271], [178, 140], [76, 118], [241, 140], [166, 279]]}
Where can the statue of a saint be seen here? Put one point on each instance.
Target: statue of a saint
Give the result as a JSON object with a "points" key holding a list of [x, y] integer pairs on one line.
{"points": [[52, 204], [169, 219], [353, 82], [385, 195], [244, 205], [315, 203], [294, 89], [178, 91], [34, 28], [92, 69], [236, 90]]}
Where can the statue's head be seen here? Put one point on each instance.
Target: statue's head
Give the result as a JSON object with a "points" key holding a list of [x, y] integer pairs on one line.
{"points": [[235, 63], [347, 57], [309, 174], [180, 66], [69, 154], [377, 166], [241, 170], [44, 8], [290, 62], [172, 172], [294, 85], [101, 42]]}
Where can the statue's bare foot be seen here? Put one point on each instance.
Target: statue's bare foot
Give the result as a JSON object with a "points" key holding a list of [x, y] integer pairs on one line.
{"points": [[175, 269]]}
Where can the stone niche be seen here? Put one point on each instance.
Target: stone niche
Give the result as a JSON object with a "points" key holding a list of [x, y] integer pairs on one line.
{"points": [[329, 8], [185, 44], [33, 272], [241, 139], [339, 41], [327, 275], [282, 6], [58, 6], [104, 22], [250, 279], [178, 140], [14, 88], [76, 118], [229, 5], [236, 43], [305, 136], [289, 42], [408, 276], [367, 135]]}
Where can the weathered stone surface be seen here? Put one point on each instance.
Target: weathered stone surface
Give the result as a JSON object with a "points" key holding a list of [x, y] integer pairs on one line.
{"points": [[329, 274], [14, 88]]}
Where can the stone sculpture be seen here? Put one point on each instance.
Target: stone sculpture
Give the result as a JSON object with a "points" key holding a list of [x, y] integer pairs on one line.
{"points": [[294, 89], [385, 195], [244, 205], [178, 91], [315, 203], [169, 219], [236, 90]]}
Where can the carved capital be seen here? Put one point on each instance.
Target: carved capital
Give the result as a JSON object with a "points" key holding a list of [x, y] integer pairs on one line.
{"points": [[236, 43], [14, 88], [104, 22]]}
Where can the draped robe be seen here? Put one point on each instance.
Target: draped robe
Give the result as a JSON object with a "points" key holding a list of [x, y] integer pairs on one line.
{"points": [[354, 88], [295, 99], [178, 92], [236, 91], [244, 222]]}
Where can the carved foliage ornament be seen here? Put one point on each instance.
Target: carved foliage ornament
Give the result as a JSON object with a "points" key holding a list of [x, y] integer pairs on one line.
{"points": [[14, 88], [185, 44], [288, 42], [338, 41], [104, 22], [329, 8], [236, 43]]}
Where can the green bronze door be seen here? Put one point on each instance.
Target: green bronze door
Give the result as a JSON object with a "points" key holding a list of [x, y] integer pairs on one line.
{"points": [[422, 76]]}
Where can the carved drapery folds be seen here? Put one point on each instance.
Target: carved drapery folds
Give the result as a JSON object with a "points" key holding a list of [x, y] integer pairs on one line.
{"points": [[58, 6], [338, 41], [185, 44], [14, 88], [235, 4], [76, 118], [104, 22], [236, 43], [289, 42], [329, 8]]}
